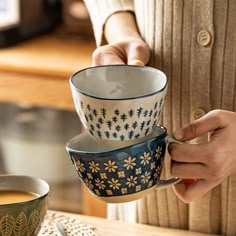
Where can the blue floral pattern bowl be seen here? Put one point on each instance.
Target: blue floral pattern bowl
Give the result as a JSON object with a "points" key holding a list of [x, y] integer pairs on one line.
{"points": [[121, 174]]}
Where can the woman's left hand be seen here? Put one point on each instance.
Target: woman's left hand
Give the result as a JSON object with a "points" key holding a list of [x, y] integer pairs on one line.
{"points": [[207, 163]]}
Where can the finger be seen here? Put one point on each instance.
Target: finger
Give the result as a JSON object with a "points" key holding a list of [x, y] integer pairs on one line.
{"points": [[189, 171], [188, 181], [136, 62], [107, 55], [138, 54], [107, 59], [189, 193], [190, 153], [208, 123]]}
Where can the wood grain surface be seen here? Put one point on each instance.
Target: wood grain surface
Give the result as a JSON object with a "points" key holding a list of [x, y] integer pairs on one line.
{"points": [[115, 228], [53, 54], [38, 71]]}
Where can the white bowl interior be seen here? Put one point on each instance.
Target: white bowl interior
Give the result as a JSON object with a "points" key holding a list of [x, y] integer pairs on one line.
{"points": [[119, 81], [24, 183]]}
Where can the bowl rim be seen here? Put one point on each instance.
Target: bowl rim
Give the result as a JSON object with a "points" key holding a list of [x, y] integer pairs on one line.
{"points": [[38, 198], [115, 149], [119, 99]]}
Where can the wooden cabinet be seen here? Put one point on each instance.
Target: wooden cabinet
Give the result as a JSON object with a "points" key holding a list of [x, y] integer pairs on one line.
{"points": [[37, 73]]}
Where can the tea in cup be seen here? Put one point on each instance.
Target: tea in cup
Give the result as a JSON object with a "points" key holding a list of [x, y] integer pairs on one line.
{"points": [[121, 174], [119, 104], [23, 204]]}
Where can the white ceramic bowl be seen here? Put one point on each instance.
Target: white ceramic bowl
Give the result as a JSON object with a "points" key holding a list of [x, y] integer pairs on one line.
{"points": [[119, 104]]}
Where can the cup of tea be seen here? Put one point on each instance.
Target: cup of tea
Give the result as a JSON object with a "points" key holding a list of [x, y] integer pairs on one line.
{"points": [[119, 104], [23, 204], [121, 174]]}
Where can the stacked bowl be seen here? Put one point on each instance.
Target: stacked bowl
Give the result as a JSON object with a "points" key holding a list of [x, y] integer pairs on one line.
{"points": [[120, 156]]}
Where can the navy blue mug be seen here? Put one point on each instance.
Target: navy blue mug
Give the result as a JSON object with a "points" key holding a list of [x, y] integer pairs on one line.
{"points": [[121, 174]]}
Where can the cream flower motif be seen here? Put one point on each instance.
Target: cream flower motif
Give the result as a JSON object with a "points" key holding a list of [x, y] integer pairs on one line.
{"points": [[79, 174], [80, 166], [153, 165], [89, 183], [97, 192], [131, 181], [89, 176], [138, 171], [110, 166], [157, 172], [124, 190], [100, 184], [129, 163], [145, 177], [109, 192], [114, 183], [155, 176], [138, 188], [103, 175], [121, 174], [158, 152], [145, 158], [94, 166], [150, 183]]}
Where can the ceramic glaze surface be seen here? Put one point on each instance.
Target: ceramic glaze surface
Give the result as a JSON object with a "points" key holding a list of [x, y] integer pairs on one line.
{"points": [[121, 171], [23, 218], [119, 81], [131, 172], [119, 103]]}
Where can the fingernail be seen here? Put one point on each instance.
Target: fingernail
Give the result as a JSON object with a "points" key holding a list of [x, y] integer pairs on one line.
{"points": [[178, 134], [136, 62]]}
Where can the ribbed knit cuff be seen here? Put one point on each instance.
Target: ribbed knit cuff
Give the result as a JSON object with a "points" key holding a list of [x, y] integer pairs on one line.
{"points": [[100, 10]]}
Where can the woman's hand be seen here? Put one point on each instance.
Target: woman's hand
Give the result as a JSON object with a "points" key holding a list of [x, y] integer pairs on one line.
{"points": [[124, 43], [207, 163], [130, 51]]}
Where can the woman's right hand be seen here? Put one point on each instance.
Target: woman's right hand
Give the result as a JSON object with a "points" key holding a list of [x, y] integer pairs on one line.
{"points": [[124, 43]]}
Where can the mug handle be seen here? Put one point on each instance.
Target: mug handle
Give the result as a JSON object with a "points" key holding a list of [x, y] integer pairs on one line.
{"points": [[163, 183]]}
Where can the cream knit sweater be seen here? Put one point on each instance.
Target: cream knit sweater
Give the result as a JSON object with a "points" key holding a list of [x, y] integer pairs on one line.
{"points": [[194, 43]]}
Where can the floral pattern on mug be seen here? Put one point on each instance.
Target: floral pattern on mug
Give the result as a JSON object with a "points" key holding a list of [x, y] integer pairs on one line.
{"points": [[129, 174]]}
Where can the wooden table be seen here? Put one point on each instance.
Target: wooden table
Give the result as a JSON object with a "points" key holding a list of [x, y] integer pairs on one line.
{"points": [[105, 227]]}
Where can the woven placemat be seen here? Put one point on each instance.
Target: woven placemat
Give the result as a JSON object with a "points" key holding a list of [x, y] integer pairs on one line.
{"points": [[72, 225]]}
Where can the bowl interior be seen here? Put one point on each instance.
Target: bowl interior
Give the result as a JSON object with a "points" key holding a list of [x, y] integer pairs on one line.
{"points": [[24, 183], [119, 81], [23, 217]]}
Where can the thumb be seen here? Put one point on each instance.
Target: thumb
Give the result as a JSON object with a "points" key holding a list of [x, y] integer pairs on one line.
{"points": [[205, 124], [137, 54]]}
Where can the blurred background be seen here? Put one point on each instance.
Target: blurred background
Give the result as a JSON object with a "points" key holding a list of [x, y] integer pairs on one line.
{"points": [[23, 19], [42, 43]]}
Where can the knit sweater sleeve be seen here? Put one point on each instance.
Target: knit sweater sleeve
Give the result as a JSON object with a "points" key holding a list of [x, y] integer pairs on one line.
{"points": [[100, 10]]}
